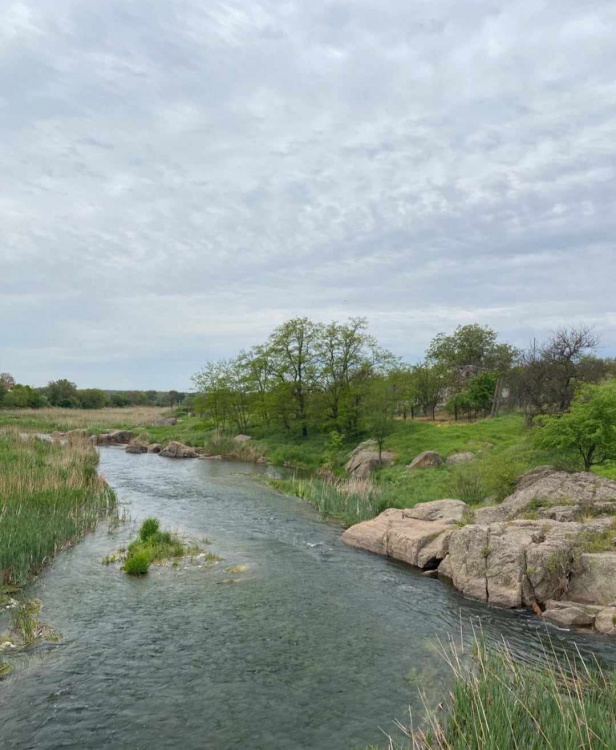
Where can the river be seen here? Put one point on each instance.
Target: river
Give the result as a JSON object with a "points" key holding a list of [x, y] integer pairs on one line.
{"points": [[314, 647]]}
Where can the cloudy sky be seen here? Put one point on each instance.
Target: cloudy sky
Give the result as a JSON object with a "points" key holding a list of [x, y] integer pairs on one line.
{"points": [[180, 176]]}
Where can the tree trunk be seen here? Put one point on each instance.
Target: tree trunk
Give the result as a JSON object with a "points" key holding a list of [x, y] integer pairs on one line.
{"points": [[496, 399]]}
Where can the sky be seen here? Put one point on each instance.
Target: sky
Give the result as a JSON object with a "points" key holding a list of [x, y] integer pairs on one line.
{"points": [[181, 176]]}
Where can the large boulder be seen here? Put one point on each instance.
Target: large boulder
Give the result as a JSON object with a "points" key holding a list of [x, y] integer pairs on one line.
{"points": [[605, 621], [178, 450], [593, 580], [425, 460], [419, 543], [448, 511], [119, 437], [547, 486], [365, 459], [460, 458], [242, 438], [567, 617], [155, 448]]}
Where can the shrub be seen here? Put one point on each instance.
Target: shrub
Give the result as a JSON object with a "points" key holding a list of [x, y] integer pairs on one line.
{"points": [[149, 528], [137, 564], [467, 485]]}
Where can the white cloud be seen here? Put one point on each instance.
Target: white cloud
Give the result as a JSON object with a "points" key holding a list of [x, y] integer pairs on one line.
{"points": [[180, 177]]}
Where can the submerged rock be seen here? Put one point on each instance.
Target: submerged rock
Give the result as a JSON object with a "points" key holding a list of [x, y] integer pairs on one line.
{"points": [[136, 448]]}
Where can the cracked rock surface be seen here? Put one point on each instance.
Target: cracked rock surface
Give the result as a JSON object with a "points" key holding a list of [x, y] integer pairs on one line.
{"points": [[500, 558]]}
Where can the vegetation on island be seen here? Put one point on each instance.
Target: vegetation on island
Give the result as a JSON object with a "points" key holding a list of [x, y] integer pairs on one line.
{"points": [[153, 545]]}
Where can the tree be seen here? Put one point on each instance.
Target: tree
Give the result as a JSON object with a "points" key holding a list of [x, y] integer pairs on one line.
{"points": [[92, 398], [588, 428], [549, 374], [431, 383], [24, 397], [379, 411], [62, 393], [291, 347], [7, 381], [151, 397]]}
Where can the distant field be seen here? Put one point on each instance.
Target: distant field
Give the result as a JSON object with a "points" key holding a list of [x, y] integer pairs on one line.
{"points": [[94, 420]]}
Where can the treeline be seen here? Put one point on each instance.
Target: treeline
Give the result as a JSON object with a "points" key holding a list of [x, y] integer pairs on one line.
{"points": [[335, 376], [65, 394]]}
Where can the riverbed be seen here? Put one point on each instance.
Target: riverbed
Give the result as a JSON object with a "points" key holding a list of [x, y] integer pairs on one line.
{"points": [[313, 647]]}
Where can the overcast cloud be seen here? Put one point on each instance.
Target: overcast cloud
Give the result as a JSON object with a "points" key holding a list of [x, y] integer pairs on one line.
{"points": [[179, 176]]}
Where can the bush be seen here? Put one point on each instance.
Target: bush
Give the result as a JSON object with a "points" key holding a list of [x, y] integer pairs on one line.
{"points": [[467, 485], [149, 528], [138, 564]]}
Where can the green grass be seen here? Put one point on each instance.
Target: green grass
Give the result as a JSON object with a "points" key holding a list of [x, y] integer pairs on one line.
{"points": [[153, 545], [498, 703], [50, 495]]}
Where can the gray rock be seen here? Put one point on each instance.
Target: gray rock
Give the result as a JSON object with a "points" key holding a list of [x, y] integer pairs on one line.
{"points": [[425, 460], [605, 621], [447, 511], [594, 579], [460, 458], [241, 438], [419, 543], [136, 448], [547, 484], [165, 421], [568, 617], [362, 463], [178, 450], [120, 437]]}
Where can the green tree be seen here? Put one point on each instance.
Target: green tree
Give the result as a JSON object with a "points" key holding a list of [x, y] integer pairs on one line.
{"points": [[24, 397], [292, 350], [379, 411], [431, 383], [588, 428], [151, 397], [62, 393], [92, 398]]}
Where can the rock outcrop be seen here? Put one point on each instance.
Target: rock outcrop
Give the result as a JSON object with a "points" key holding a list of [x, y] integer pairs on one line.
{"points": [[364, 459], [426, 460], [178, 450], [117, 437], [537, 562]]}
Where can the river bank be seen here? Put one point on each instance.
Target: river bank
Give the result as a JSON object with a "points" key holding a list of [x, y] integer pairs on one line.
{"points": [[315, 645]]}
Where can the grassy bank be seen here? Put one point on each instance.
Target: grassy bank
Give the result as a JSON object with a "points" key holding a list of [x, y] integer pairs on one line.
{"points": [[499, 703], [50, 495]]}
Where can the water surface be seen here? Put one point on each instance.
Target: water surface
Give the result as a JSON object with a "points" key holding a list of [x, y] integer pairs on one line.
{"points": [[315, 647]]}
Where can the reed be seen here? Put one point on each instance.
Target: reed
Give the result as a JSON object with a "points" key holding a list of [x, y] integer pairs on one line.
{"points": [[501, 703], [50, 496]]}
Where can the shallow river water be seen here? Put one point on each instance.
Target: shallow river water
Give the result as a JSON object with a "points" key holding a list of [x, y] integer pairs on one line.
{"points": [[314, 647]]}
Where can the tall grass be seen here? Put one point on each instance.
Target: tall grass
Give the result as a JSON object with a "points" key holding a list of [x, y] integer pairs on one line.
{"points": [[93, 420], [500, 703], [218, 444], [50, 495], [350, 500]]}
